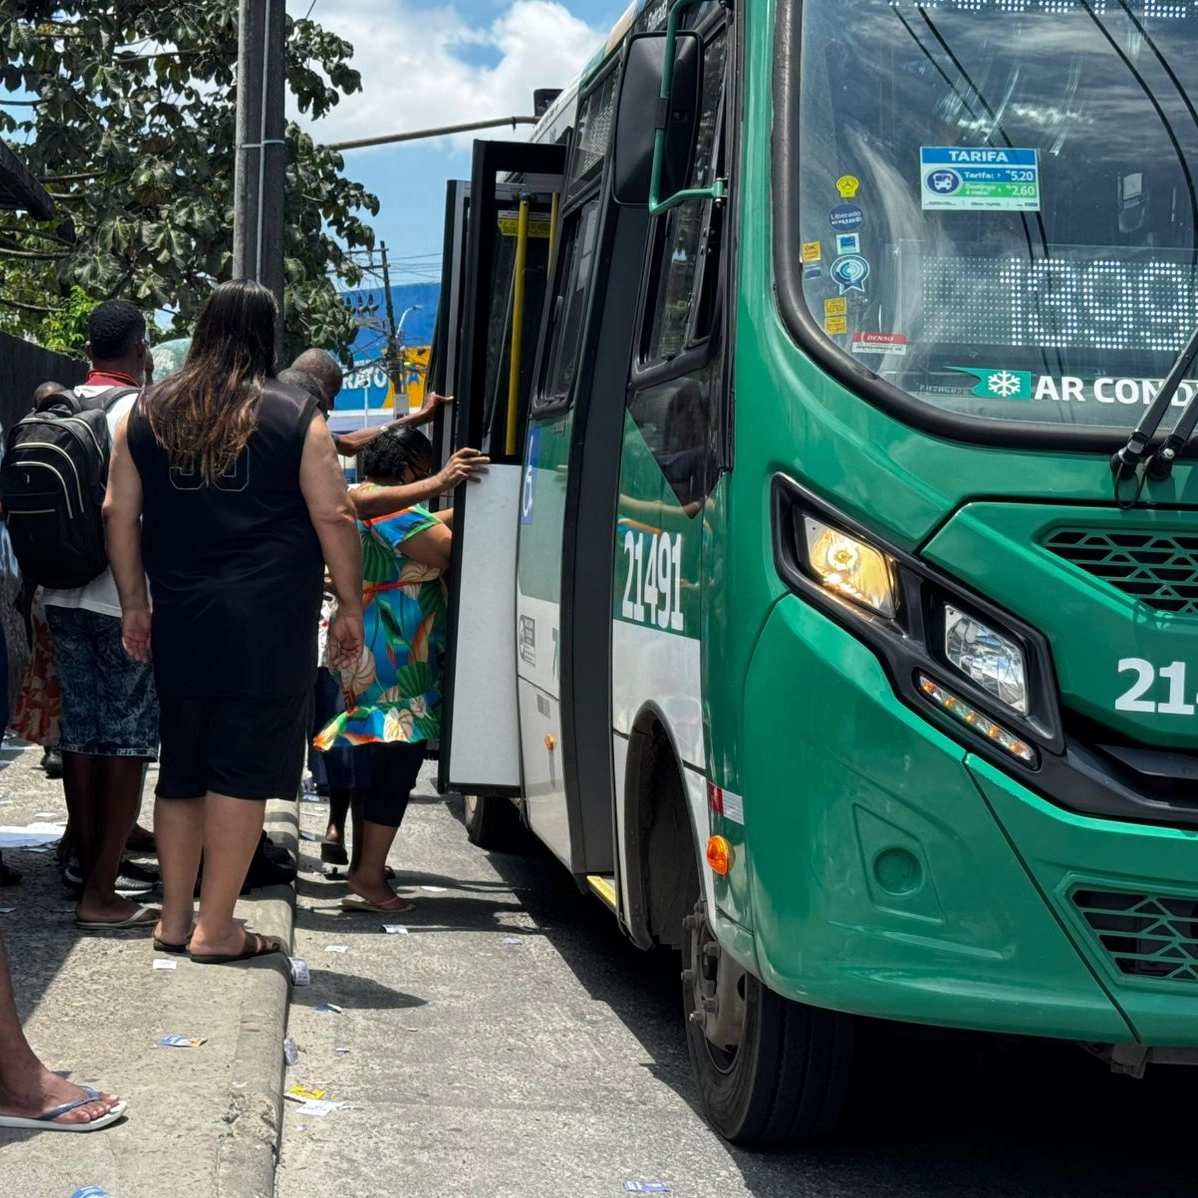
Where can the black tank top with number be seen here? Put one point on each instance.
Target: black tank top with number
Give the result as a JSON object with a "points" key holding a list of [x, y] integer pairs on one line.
{"points": [[235, 568]]}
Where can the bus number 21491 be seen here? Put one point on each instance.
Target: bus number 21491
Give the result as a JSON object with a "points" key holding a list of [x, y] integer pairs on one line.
{"points": [[653, 583]]}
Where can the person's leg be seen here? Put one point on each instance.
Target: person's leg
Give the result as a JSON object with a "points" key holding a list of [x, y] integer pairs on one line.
{"points": [[179, 829], [357, 804], [334, 834], [81, 786], [179, 810], [75, 661], [124, 735], [231, 830], [27, 1088], [119, 791], [393, 771]]}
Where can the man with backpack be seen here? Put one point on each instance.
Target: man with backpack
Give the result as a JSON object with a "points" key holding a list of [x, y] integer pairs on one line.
{"points": [[109, 719]]}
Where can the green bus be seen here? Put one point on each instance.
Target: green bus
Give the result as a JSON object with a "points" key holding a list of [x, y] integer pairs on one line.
{"points": [[829, 609]]}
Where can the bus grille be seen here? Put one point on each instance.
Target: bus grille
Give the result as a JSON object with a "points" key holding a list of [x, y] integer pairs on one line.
{"points": [[1161, 570], [1145, 935]]}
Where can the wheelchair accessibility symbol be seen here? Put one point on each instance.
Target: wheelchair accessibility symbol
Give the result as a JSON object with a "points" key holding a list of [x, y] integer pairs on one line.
{"points": [[528, 486]]}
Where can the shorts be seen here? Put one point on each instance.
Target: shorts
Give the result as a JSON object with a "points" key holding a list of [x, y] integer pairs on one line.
{"points": [[109, 706], [246, 747]]}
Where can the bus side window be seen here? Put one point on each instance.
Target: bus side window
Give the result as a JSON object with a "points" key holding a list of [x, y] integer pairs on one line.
{"points": [[688, 233], [569, 306], [676, 387]]}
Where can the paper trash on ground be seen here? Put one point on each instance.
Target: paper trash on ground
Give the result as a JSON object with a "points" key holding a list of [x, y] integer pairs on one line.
{"points": [[395, 929], [291, 1052], [28, 836], [182, 1041], [159, 964], [512, 940], [336, 948], [329, 1006], [303, 1093], [299, 972], [318, 1106], [647, 1187]]}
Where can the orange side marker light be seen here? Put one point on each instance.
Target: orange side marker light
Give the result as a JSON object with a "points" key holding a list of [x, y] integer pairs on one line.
{"points": [[719, 855]]}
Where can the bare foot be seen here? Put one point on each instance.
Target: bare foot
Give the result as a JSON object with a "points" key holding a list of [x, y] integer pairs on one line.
{"points": [[374, 891], [47, 1091], [226, 941], [172, 935]]}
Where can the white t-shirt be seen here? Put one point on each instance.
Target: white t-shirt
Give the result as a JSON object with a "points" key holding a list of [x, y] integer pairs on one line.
{"points": [[99, 595]]}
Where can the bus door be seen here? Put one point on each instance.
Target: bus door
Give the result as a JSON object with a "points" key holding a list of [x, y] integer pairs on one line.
{"points": [[507, 217], [568, 518]]}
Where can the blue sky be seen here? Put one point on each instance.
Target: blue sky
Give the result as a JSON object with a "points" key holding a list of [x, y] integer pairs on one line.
{"points": [[426, 65]]}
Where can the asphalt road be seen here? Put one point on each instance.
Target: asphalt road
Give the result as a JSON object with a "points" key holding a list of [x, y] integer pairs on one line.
{"points": [[472, 1063]]}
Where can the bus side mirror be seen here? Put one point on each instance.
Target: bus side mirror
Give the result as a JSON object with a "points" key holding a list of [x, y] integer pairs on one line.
{"points": [[642, 112]]}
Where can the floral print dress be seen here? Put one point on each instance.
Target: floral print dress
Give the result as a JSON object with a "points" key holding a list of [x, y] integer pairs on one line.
{"points": [[393, 692]]}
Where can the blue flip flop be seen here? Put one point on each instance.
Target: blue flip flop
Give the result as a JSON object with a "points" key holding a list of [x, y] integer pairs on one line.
{"points": [[47, 1122]]}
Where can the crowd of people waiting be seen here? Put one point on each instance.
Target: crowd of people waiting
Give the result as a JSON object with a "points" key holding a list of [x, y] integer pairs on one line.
{"points": [[252, 607]]}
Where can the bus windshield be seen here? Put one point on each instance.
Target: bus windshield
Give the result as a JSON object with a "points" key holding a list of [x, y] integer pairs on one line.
{"points": [[998, 199]]}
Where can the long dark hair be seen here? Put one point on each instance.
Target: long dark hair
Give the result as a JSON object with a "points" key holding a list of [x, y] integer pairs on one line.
{"points": [[205, 413]]}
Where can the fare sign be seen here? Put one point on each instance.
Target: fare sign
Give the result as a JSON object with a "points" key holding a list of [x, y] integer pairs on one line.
{"points": [[979, 178]]}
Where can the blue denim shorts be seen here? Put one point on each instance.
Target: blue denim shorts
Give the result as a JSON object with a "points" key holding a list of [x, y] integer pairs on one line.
{"points": [[109, 706]]}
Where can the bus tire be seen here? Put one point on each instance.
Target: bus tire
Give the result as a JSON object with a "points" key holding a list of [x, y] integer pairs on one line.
{"points": [[785, 1082], [492, 822]]}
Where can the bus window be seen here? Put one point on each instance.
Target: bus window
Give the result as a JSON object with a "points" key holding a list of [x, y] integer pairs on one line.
{"points": [[685, 228], [593, 133], [569, 304], [998, 215]]}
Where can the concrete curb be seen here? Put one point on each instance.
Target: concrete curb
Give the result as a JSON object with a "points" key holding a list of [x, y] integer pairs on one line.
{"points": [[249, 1150]]}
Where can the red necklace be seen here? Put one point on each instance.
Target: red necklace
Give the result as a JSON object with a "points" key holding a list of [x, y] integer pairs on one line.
{"points": [[115, 375]]}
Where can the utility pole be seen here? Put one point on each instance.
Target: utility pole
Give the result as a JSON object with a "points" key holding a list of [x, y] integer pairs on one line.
{"points": [[261, 160], [394, 365]]}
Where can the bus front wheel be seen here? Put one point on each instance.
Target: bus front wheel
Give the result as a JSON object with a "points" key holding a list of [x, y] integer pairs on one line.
{"points": [[770, 1072]]}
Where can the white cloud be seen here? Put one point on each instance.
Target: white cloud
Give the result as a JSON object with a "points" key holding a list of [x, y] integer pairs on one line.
{"points": [[415, 77]]}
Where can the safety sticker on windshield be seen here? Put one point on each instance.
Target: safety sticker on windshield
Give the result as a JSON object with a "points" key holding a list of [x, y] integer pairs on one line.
{"points": [[979, 178]]}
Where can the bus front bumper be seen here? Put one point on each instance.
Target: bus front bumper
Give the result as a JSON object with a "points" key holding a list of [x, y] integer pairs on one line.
{"points": [[889, 872]]}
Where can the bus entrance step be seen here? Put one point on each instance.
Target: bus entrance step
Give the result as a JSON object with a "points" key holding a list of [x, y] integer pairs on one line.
{"points": [[604, 885]]}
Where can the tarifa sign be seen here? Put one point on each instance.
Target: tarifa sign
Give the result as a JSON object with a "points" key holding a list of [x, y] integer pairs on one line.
{"points": [[1000, 383]]}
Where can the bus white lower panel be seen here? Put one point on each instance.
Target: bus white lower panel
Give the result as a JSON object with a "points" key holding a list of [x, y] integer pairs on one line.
{"points": [[663, 668], [544, 786]]}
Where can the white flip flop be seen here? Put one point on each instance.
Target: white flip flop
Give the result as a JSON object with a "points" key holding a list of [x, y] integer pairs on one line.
{"points": [[47, 1122]]}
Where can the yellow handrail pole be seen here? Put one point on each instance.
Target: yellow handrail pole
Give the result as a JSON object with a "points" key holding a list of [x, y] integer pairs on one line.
{"points": [[513, 378], [554, 204]]}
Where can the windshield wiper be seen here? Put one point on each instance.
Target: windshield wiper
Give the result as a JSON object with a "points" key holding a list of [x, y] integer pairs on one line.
{"points": [[1125, 461]]}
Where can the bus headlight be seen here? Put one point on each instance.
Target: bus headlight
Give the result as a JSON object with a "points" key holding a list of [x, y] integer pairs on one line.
{"points": [[990, 660], [850, 567]]}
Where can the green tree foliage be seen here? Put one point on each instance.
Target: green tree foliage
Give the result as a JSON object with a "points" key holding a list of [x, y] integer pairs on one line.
{"points": [[129, 120]]}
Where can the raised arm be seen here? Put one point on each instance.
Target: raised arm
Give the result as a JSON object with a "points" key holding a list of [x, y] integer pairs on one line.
{"points": [[323, 487], [372, 502], [122, 532]]}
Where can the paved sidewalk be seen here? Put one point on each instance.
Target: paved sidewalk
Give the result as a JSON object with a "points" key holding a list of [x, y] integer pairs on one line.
{"points": [[200, 1121]]}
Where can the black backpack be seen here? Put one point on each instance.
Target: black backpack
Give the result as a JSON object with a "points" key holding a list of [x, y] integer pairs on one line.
{"points": [[52, 483]]}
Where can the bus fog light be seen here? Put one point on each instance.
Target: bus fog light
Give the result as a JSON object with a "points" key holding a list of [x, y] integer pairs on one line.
{"points": [[976, 721], [987, 658], [849, 567]]}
